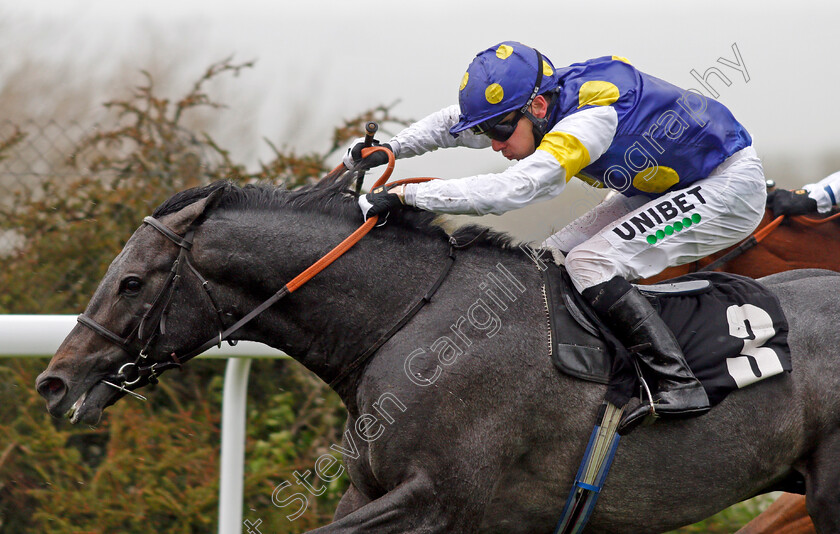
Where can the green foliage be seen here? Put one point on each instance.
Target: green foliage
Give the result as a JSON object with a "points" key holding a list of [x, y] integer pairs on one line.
{"points": [[289, 428], [153, 467], [14, 139], [147, 467], [731, 519]]}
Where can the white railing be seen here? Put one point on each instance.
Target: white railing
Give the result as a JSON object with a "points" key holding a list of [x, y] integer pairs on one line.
{"points": [[38, 336]]}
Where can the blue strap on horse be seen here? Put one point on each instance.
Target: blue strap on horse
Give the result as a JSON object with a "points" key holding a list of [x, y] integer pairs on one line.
{"points": [[592, 472]]}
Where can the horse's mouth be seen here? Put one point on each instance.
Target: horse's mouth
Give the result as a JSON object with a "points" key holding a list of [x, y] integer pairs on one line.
{"points": [[89, 407]]}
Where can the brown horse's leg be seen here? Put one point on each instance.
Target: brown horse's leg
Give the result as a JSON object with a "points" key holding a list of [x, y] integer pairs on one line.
{"points": [[785, 516], [352, 500]]}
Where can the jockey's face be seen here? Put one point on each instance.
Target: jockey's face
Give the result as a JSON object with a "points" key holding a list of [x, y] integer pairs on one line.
{"points": [[521, 143]]}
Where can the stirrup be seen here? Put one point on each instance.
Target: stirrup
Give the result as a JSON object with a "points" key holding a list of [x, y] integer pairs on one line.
{"points": [[644, 413]]}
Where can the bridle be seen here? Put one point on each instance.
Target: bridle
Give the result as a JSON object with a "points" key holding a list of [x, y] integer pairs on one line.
{"points": [[144, 371], [131, 373]]}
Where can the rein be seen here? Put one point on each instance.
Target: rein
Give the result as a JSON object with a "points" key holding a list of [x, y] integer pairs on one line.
{"points": [[132, 373], [816, 222], [744, 246]]}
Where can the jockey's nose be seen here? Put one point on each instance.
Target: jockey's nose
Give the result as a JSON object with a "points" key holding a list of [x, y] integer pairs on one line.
{"points": [[498, 145]]}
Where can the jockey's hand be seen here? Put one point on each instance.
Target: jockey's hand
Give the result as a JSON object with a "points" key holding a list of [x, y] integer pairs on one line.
{"points": [[353, 158], [785, 202], [382, 201]]}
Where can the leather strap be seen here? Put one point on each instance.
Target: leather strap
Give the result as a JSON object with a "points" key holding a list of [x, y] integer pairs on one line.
{"points": [[363, 358], [104, 332]]}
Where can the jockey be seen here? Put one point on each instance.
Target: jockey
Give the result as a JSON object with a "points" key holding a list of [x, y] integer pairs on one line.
{"points": [[690, 182], [820, 197]]}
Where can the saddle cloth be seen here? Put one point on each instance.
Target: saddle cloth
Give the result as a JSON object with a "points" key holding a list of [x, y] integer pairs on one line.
{"points": [[732, 330]]}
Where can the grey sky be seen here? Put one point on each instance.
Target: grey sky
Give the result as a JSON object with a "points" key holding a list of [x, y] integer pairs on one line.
{"points": [[321, 60]]}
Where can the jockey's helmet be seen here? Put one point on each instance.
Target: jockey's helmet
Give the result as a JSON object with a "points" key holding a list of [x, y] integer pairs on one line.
{"points": [[502, 79]]}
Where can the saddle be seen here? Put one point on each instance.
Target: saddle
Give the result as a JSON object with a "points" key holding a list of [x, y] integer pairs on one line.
{"points": [[731, 328]]}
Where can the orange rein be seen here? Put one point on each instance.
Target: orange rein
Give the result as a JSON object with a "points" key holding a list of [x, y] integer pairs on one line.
{"points": [[761, 234], [353, 238], [814, 222]]}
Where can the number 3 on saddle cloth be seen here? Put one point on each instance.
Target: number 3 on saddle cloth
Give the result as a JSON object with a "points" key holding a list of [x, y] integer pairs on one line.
{"points": [[732, 330]]}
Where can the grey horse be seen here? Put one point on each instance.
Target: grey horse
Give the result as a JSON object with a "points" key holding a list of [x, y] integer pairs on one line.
{"points": [[459, 423]]}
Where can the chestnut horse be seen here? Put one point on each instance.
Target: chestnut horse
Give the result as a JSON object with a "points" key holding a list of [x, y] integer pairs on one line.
{"points": [[780, 244]]}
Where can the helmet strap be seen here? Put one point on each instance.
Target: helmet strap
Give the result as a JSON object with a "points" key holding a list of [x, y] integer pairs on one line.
{"points": [[540, 126], [525, 109]]}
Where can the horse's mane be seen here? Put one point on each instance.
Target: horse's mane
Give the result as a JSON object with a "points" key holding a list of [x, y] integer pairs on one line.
{"points": [[331, 195]]}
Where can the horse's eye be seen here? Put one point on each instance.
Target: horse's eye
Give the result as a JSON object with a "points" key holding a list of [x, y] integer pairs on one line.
{"points": [[131, 286]]}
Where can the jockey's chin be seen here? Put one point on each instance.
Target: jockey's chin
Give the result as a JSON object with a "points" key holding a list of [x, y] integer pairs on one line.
{"points": [[516, 156], [519, 146], [514, 152]]}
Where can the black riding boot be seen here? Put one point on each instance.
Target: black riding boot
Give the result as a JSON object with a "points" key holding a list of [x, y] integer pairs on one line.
{"points": [[635, 322]]}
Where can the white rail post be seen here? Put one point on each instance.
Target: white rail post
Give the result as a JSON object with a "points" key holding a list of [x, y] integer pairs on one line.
{"points": [[232, 462]]}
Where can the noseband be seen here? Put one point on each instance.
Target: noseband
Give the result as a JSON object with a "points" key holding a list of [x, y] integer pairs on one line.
{"points": [[131, 373]]}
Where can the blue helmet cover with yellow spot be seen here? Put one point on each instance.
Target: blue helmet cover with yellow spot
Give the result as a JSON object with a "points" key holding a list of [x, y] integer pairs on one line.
{"points": [[500, 80]]}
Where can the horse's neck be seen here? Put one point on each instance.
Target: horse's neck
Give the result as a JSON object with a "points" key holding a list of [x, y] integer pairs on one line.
{"points": [[342, 311]]}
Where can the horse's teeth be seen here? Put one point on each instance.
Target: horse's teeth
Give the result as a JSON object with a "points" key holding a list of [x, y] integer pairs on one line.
{"points": [[73, 412]]}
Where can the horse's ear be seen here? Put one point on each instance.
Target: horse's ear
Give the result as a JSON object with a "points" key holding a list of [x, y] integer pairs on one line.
{"points": [[182, 219]]}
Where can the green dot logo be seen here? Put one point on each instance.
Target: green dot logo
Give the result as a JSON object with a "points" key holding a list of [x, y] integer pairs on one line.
{"points": [[670, 229]]}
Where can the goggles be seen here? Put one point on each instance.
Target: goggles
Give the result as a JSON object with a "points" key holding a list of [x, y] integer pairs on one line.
{"points": [[497, 128]]}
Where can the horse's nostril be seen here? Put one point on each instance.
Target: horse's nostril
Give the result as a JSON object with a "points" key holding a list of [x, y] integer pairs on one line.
{"points": [[51, 387]]}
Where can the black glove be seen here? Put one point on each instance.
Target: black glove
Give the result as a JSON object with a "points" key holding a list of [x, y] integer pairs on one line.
{"points": [[378, 202], [374, 160], [785, 202]]}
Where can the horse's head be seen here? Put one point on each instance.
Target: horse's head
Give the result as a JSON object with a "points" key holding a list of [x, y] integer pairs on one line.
{"points": [[123, 339]]}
